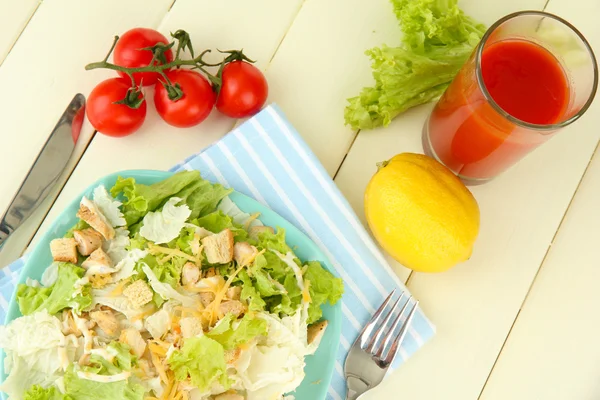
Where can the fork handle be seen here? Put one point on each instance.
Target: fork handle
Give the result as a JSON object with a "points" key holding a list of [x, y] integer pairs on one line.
{"points": [[355, 388]]}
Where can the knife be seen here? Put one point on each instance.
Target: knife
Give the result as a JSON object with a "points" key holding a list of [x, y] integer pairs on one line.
{"points": [[45, 171]]}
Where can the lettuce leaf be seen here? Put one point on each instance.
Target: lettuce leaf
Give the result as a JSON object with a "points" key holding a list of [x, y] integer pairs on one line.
{"points": [[37, 392], [141, 199], [165, 225], [323, 287], [84, 389], [201, 359], [437, 40], [58, 296], [216, 221], [249, 294], [247, 329], [124, 360]]}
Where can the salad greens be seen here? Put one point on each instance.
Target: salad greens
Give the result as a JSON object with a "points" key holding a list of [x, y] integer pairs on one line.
{"points": [[187, 297], [438, 38]]}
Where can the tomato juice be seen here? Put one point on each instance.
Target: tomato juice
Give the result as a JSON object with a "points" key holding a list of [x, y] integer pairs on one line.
{"points": [[479, 138]]}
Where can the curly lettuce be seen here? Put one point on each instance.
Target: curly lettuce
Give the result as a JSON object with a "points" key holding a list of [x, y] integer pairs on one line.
{"points": [[438, 38]]}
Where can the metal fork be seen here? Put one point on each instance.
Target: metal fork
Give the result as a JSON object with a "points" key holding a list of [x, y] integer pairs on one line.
{"points": [[374, 349]]}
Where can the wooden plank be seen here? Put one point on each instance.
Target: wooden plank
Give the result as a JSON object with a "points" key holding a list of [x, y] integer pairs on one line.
{"points": [[553, 351], [14, 16], [216, 25], [475, 304], [43, 72]]}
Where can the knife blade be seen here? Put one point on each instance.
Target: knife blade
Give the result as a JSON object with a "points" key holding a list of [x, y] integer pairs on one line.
{"points": [[45, 171]]}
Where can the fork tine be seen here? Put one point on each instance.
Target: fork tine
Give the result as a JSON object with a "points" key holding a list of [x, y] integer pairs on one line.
{"points": [[392, 330], [374, 342], [368, 329], [400, 336]]}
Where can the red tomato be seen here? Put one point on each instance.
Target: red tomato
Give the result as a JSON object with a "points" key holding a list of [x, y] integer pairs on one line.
{"points": [[128, 54], [243, 91], [195, 105], [109, 118]]}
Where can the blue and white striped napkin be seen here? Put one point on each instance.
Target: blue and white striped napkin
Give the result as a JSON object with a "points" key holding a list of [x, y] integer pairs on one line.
{"points": [[265, 158]]}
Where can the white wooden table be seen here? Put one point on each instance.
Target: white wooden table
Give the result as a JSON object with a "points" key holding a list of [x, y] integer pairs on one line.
{"points": [[517, 321]]}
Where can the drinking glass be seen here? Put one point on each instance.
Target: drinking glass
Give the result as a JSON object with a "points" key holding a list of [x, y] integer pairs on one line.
{"points": [[471, 134]]}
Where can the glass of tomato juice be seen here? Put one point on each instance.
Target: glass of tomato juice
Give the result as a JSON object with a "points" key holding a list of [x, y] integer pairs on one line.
{"points": [[531, 74]]}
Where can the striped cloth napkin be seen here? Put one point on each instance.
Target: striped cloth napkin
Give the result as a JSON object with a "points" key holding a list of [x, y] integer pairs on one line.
{"points": [[265, 158]]}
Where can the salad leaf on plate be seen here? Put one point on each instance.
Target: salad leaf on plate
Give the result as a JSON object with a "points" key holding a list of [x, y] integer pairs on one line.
{"points": [[231, 337], [323, 287], [85, 389], [202, 359], [62, 294], [39, 393]]}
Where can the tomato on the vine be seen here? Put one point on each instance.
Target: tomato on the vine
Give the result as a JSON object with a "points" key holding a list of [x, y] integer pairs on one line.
{"points": [[193, 107], [243, 90], [128, 53], [110, 118]]}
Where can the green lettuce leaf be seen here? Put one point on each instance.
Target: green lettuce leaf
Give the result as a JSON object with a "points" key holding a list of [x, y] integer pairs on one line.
{"points": [[323, 287], [249, 294], [201, 359], [140, 199], [58, 296], [216, 221], [247, 329], [85, 389], [437, 40], [39, 393], [124, 360], [203, 197]]}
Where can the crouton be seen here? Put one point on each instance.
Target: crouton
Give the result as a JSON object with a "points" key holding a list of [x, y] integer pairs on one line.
{"points": [[244, 253], [229, 396], [100, 280], [234, 292], [190, 274], [87, 240], [206, 298], [316, 331], [232, 355], [232, 306], [64, 250], [254, 231], [190, 327], [99, 261], [134, 340], [219, 247], [138, 293], [107, 321], [94, 217]]}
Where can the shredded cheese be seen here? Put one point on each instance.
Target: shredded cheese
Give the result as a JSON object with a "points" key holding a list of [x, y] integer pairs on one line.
{"points": [[159, 366], [305, 292], [214, 306], [250, 220], [170, 253], [118, 290]]}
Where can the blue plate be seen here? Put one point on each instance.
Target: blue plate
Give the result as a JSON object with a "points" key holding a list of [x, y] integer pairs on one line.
{"points": [[319, 367]]}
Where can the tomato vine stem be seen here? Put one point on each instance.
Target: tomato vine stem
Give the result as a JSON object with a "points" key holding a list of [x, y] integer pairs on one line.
{"points": [[159, 66]]}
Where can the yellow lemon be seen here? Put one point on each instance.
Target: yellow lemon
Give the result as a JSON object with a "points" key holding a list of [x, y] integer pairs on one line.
{"points": [[421, 213]]}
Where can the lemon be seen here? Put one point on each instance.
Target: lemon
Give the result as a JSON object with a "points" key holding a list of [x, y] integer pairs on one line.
{"points": [[421, 213]]}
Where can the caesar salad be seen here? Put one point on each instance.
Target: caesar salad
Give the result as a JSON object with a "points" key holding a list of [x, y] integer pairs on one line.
{"points": [[167, 291]]}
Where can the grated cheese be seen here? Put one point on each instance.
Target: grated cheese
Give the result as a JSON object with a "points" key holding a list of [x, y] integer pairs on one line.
{"points": [[118, 290], [170, 253], [214, 306]]}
